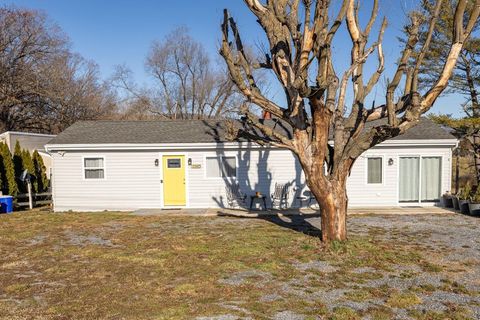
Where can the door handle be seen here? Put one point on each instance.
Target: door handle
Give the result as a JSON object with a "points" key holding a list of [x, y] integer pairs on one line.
{"points": [[161, 181]]}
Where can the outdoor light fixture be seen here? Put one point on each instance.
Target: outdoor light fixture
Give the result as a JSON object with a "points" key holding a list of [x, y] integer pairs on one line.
{"points": [[156, 162], [390, 161], [189, 161]]}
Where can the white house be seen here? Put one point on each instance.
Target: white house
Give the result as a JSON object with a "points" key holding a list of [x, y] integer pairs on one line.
{"points": [[126, 165], [31, 142]]}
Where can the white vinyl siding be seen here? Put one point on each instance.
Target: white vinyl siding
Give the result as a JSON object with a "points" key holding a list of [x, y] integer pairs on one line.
{"points": [[388, 193], [133, 181], [374, 170], [257, 170]]}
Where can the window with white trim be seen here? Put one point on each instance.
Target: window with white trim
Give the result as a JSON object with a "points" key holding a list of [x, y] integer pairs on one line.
{"points": [[221, 167], [94, 168], [374, 170]]}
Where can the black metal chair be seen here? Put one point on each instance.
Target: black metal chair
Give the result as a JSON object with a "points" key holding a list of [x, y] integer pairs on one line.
{"points": [[235, 197], [280, 196]]}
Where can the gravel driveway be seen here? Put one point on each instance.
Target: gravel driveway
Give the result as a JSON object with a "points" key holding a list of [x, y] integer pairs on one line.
{"points": [[447, 286]]}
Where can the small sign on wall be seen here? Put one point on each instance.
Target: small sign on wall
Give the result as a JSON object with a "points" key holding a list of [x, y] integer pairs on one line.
{"points": [[196, 166]]}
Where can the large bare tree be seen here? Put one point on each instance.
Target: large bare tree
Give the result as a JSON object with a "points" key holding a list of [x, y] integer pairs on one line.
{"points": [[465, 80], [187, 85], [327, 135], [44, 87], [76, 93]]}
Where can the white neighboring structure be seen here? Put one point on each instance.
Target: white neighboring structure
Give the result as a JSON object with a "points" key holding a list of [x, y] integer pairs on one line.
{"points": [[127, 165], [31, 142]]}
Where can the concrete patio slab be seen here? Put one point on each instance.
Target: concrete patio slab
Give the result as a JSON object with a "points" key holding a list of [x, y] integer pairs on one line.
{"points": [[400, 210], [289, 212]]}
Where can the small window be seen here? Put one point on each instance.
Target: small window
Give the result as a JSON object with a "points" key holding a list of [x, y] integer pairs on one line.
{"points": [[374, 173], [174, 163], [94, 168], [221, 167]]}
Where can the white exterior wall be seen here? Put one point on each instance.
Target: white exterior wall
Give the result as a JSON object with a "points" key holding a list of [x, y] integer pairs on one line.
{"points": [[362, 194], [133, 181], [257, 170], [31, 142]]}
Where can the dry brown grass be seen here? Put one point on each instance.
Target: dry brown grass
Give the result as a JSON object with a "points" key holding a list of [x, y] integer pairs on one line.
{"points": [[113, 265]]}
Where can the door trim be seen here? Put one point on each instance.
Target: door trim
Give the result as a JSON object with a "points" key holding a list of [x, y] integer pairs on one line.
{"points": [[187, 180]]}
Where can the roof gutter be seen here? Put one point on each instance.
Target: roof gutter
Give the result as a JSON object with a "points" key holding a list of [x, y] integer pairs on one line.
{"points": [[29, 134], [225, 145]]}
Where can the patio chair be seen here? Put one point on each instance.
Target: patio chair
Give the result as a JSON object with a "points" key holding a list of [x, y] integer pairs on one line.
{"points": [[309, 199], [235, 197], [280, 196]]}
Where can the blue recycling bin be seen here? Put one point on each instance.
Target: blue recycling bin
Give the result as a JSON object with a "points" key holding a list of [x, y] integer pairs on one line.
{"points": [[6, 203]]}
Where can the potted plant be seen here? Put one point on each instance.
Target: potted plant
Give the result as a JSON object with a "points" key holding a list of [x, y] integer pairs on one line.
{"points": [[463, 198], [447, 200], [474, 204]]}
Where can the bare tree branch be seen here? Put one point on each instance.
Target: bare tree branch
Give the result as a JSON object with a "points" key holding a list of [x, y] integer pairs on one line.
{"points": [[296, 53]]}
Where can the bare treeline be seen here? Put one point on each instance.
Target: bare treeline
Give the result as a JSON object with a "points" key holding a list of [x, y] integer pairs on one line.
{"points": [[186, 84], [45, 87]]}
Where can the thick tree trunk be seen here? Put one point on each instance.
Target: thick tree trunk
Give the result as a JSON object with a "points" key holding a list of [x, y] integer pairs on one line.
{"points": [[333, 208], [329, 190], [331, 195], [457, 171], [476, 155]]}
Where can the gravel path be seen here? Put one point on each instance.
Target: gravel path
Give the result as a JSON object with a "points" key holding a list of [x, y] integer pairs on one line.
{"points": [[453, 244]]}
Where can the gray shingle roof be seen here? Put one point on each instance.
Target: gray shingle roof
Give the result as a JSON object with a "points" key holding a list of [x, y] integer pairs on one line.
{"points": [[425, 129], [187, 131], [158, 131]]}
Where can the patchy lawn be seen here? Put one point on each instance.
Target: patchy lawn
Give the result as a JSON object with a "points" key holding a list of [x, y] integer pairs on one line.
{"points": [[117, 266]]}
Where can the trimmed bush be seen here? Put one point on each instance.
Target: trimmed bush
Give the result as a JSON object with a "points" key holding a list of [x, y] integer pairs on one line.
{"points": [[40, 172], [9, 183], [30, 167], [18, 160]]}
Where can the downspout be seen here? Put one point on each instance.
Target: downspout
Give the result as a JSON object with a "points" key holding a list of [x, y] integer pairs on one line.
{"points": [[457, 166]]}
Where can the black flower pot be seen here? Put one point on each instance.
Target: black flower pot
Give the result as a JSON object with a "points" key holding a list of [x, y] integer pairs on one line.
{"points": [[463, 204], [447, 201], [474, 208], [455, 202]]}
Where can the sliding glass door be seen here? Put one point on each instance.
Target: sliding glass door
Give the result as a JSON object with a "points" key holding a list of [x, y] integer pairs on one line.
{"points": [[431, 181], [409, 174], [420, 179]]}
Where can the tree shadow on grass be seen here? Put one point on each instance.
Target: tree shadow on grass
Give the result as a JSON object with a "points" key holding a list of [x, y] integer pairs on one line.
{"points": [[253, 174], [296, 222]]}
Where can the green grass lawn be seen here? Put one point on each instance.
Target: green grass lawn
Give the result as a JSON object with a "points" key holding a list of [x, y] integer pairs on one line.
{"points": [[117, 266]]}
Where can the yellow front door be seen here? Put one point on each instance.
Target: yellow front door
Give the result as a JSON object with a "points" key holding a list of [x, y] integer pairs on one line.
{"points": [[174, 193]]}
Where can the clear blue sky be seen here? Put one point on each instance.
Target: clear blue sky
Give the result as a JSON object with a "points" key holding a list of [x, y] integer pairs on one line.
{"points": [[120, 32]]}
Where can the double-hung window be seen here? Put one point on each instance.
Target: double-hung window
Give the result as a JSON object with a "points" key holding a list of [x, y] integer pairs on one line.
{"points": [[375, 170], [94, 168], [221, 167]]}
